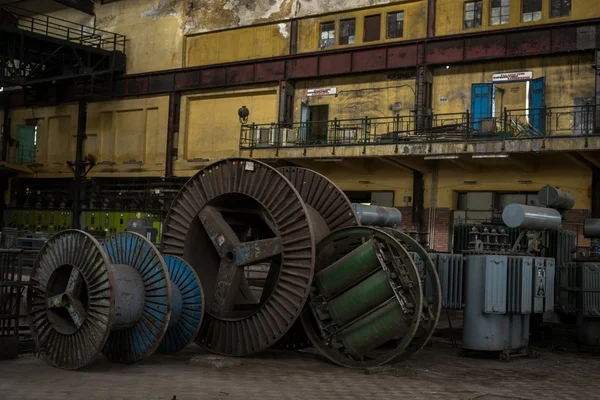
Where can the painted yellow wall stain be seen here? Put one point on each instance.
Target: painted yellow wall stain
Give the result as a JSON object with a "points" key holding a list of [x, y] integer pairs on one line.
{"points": [[210, 126], [128, 131], [450, 16], [238, 45]]}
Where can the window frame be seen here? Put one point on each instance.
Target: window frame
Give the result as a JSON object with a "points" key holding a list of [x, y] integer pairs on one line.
{"points": [[501, 7], [387, 26], [321, 47], [353, 32], [474, 2], [541, 11], [561, 9]]}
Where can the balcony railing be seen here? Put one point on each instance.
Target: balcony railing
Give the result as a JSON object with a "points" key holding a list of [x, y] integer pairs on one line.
{"points": [[457, 127], [62, 29]]}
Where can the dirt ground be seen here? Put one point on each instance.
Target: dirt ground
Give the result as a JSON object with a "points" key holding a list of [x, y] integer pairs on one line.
{"points": [[437, 372]]}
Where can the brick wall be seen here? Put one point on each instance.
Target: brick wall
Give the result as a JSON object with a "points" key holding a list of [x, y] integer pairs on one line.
{"points": [[407, 221], [441, 239], [573, 220]]}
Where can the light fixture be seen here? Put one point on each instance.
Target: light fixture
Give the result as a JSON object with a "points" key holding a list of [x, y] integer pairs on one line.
{"points": [[490, 155], [447, 67], [1, 89], [243, 113], [441, 158], [327, 159]]}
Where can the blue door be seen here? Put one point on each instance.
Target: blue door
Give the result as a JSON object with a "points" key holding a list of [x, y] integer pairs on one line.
{"points": [[26, 141], [482, 101], [537, 105]]}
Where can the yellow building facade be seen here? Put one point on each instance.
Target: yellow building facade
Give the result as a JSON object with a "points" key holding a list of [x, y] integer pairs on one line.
{"points": [[355, 118]]}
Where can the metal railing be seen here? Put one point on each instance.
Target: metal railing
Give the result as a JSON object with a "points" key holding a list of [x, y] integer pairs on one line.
{"points": [[455, 127], [62, 29]]}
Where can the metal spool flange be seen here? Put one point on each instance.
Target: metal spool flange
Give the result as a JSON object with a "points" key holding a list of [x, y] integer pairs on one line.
{"points": [[326, 199], [231, 215], [141, 334], [71, 299], [389, 254], [187, 306], [431, 307]]}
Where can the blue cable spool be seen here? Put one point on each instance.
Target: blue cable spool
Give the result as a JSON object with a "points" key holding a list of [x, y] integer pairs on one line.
{"points": [[148, 319], [187, 307]]}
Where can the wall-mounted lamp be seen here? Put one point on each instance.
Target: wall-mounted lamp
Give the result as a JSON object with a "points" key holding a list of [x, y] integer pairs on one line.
{"points": [[243, 113]]}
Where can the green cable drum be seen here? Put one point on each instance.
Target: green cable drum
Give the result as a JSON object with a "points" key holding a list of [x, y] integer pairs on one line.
{"points": [[362, 298], [375, 329], [348, 270]]}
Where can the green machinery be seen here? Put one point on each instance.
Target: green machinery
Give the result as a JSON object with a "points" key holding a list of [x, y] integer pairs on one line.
{"points": [[367, 305], [53, 221]]}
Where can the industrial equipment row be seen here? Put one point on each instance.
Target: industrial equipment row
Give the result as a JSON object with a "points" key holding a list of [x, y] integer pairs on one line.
{"points": [[253, 257]]}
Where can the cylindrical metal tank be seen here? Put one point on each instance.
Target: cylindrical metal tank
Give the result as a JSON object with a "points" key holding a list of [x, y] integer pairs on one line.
{"points": [[531, 217], [377, 215], [555, 198], [591, 228]]}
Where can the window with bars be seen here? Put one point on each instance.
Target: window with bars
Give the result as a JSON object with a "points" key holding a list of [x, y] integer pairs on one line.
{"points": [[473, 14], [532, 10], [327, 35], [560, 8], [347, 31], [395, 25], [500, 14]]}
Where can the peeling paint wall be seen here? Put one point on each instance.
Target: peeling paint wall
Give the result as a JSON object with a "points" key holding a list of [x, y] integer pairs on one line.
{"points": [[209, 15], [567, 78]]}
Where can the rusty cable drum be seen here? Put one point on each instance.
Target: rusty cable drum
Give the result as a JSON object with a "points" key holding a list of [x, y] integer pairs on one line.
{"points": [[86, 297], [331, 203], [366, 295], [233, 215]]}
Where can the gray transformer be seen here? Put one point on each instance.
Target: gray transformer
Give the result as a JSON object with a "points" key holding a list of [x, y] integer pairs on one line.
{"points": [[500, 294]]}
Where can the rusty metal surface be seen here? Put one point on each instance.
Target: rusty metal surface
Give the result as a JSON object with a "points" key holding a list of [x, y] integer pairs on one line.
{"points": [[143, 338], [431, 307], [72, 269], [334, 207], [333, 248], [233, 214]]}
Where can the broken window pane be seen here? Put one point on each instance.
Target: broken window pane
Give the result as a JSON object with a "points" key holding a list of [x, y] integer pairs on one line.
{"points": [[347, 31], [327, 35], [395, 25], [560, 8]]}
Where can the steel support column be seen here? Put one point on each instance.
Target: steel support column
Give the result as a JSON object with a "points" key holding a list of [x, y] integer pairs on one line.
{"points": [[595, 192], [423, 104], [5, 133], [78, 186], [597, 97], [286, 102], [431, 18], [294, 37], [418, 208], [172, 131]]}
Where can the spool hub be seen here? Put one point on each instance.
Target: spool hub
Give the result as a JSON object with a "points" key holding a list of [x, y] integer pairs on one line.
{"points": [[187, 306], [366, 301], [234, 215]]}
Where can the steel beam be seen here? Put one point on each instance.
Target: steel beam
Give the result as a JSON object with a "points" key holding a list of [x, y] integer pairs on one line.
{"points": [[172, 129], [418, 208], [79, 167], [5, 133], [86, 6], [548, 39], [597, 97], [595, 192]]}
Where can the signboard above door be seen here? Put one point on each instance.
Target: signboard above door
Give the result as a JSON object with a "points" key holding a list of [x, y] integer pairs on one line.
{"points": [[330, 91], [512, 76]]}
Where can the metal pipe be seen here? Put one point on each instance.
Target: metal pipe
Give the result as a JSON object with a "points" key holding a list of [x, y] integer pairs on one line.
{"points": [[591, 228], [555, 198], [377, 215], [531, 217]]}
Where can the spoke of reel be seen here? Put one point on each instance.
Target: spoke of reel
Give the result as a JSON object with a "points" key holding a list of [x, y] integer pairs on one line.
{"points": [[74, 284], [76, 311], [255, 252]]}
